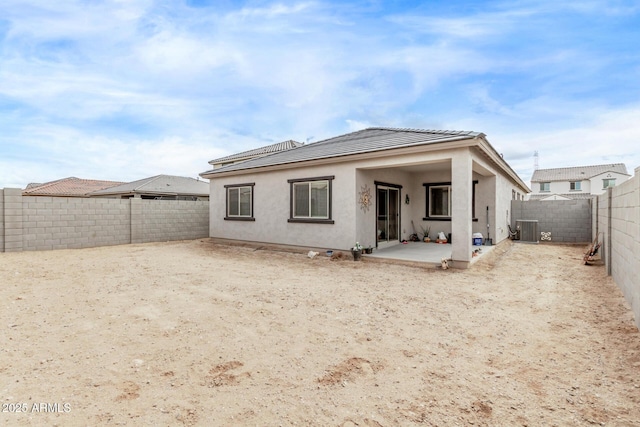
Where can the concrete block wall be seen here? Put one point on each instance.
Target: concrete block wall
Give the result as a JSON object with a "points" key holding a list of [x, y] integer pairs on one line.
{"points": [[1, 220], [619, 222], [73, 222], [602, 211], [164, 220], [33, 223], [568, 221], [12, 208]]}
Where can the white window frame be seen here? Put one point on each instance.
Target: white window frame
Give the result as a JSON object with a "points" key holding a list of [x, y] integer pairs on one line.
{"points": [[239, 215], [545, 187], [608, 182], [575, 185]]}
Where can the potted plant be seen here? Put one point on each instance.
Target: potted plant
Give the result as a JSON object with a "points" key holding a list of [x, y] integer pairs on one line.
{"points": [[425, 233], [368, 250], [357, 251]]}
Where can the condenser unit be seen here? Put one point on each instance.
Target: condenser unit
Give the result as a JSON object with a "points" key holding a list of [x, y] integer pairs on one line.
{"points": [[528, 230]]}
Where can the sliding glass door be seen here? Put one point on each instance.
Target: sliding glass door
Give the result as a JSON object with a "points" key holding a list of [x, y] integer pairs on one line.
{"points": [[388, 214]]}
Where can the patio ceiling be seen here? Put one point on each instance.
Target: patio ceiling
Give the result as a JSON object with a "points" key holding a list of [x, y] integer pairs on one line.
{"points": [[435, 166]]}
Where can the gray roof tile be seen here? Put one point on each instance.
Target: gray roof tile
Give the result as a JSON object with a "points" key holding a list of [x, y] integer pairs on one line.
{"points": [[273, 148], [576, 173], [363, 141], [160, 184], [572, 196]]}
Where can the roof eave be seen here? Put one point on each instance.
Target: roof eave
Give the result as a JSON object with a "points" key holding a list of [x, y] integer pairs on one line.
{"points": [[500, 161]]}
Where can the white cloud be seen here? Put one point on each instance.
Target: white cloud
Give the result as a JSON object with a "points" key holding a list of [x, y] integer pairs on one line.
{"points": [[93, 85], [66, 152], [473, 27], [273, 11], [356, 125], [599, 137]]}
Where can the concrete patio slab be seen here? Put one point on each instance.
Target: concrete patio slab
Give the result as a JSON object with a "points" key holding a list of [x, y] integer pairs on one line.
{"points": [[422, 252]]}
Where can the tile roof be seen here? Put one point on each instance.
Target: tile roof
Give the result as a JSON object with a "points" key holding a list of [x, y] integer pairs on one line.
{"points": [[68, 187], [576, 173], [159, 185], [572, 196], [363, 141], [280, 146]]}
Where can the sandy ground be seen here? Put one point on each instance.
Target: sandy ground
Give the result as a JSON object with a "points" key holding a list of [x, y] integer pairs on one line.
{"points": [[198, 333]]}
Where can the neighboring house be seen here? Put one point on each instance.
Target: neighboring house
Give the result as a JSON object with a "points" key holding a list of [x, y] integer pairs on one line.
{"points": [[370, 187], [251, 154], [68, 187], [159, 187], [572, 183]]}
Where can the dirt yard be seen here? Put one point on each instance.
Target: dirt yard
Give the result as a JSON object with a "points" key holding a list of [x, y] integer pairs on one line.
{"points": [[198, 333]]}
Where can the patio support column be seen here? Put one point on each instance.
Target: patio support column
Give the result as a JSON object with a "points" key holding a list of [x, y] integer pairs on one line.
{"points": [[461, 199]]}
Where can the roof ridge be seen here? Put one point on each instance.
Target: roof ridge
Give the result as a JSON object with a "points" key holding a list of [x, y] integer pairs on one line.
{"points": [[416, 130], [582, 167], [50, 183], [393, 129], [267, 149], [148, 180]]}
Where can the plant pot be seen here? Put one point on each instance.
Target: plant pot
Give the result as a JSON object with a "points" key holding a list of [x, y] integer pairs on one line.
{"points": [[356, 255], [368, 250], [427, 240]]}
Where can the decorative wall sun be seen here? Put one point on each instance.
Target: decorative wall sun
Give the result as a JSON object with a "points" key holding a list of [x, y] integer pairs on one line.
{"points": [[365, 197]]}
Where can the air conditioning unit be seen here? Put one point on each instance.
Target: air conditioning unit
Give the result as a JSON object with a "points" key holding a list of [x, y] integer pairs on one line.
{"points": [[528, 230]]}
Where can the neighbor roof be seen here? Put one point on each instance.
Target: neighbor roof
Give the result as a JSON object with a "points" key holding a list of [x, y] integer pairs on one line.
{"points": [[363, 141], [576, 173], [160, 184], [68, 187], [572, 196], [280, 146]]}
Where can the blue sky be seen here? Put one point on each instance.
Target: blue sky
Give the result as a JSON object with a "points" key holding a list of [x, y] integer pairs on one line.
{"points": [[123, 90]]}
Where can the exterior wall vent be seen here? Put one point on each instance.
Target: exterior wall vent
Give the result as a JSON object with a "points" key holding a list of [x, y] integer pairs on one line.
{"points": [[528, 230]]}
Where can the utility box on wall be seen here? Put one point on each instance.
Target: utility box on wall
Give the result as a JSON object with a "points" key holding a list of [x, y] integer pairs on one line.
{"points": [[528, 230]]}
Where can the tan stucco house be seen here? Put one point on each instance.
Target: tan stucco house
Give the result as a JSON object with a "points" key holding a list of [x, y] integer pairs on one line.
{"points": [[367, 187]]}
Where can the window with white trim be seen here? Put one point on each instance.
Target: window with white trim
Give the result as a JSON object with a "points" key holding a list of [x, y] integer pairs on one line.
{"points": [[311, 200], [608, 182], [575, 186], [545, 186], [240, 201]]}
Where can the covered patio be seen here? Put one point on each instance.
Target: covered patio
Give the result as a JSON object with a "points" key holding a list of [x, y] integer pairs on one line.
{"points": [[430, 253]]}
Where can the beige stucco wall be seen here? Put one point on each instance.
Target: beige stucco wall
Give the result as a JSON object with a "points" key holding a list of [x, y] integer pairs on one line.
{"points": [[502, 210], [410, 170], [494, 191], [365, 223], [588, 186], [596, 181], [271, 209]]}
